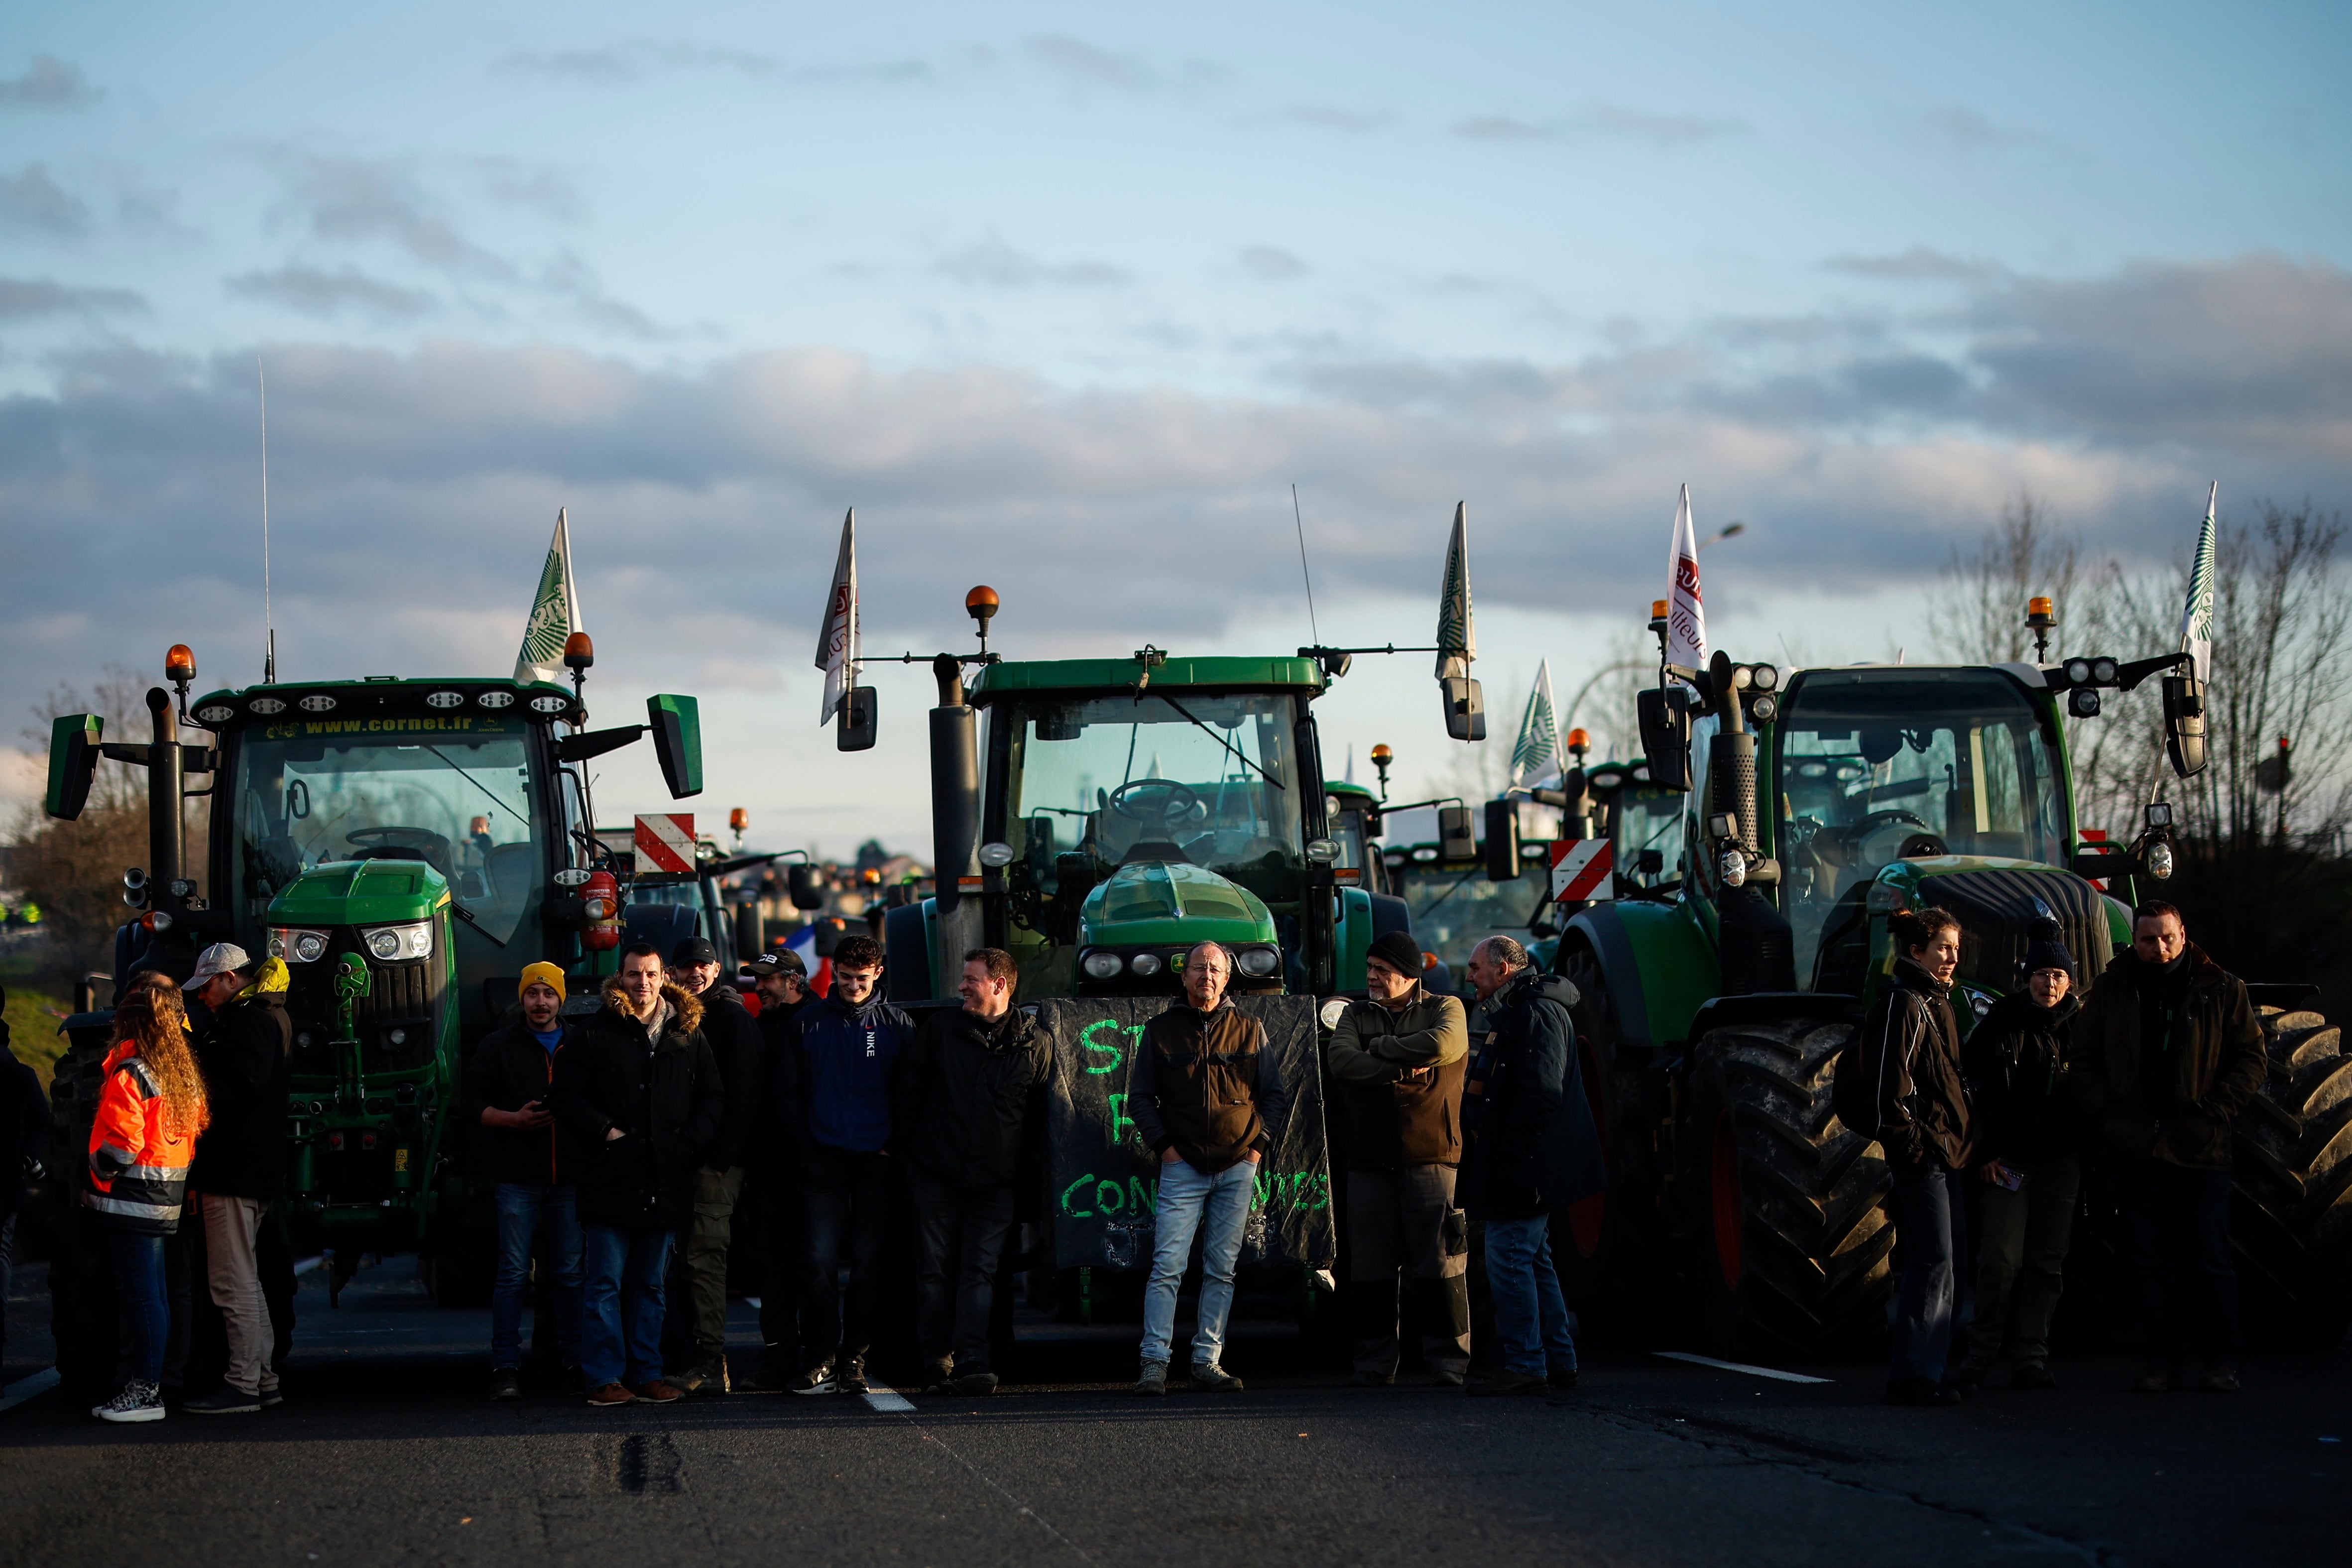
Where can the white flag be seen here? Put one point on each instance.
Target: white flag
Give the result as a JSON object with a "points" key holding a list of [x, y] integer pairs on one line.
{"points": [[2197, 610], [1537, 755], [1685, 617], [836, 644], [1457, 638], [554, 612]]}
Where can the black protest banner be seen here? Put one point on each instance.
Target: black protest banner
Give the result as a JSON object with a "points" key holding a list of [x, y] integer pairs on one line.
{"points": [[1103, 1183]]}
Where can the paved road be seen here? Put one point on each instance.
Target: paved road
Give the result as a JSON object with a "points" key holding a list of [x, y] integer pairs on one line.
{"points": [[387, 1452]]}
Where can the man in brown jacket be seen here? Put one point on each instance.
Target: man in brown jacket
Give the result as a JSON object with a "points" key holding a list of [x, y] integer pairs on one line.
{"points": [[1399, 1060], [2170, 1052]]}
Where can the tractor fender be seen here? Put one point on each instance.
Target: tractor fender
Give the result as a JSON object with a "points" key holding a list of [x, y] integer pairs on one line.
{"points": [[1660, 966], [909, 935]]}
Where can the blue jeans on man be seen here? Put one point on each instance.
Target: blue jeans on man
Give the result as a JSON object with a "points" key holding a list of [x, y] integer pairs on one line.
{"points": [[1217, 1208], [1931, 1221], [524, 1208], [2175, 1214], [621, 1303], [1531, 1314]]}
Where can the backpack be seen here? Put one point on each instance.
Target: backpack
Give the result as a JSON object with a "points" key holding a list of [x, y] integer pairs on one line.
{"points": [[1853, 1094]]}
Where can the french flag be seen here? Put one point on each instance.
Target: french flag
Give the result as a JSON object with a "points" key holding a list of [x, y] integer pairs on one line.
{"points": [[820, 970]]}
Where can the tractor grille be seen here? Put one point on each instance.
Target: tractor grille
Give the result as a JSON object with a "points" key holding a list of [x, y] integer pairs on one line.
{"points": [[401, 996], [1999, 910]]}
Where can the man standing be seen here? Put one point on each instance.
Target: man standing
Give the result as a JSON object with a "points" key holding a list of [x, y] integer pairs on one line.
{"points": [[965, 1090], [1530, 1149], [736, 1047], [637, 1102], [1207, 1097], [849, 1040], [242, 1052], [24, 1138], [778, 1165], [2170, 1052], [508, 1092], [1399, 1060]]}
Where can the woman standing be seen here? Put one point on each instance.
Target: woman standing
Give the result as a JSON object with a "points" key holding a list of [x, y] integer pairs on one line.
{"points": [[1911, 1057], [148, 1114]]}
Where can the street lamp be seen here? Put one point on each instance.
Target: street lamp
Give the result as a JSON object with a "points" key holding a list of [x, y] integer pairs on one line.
{"points": [[1728, 531]]}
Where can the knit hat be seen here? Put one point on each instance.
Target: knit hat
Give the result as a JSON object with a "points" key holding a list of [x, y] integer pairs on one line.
{"points": [[1398, 951], [543, 974], [2049, 952]]}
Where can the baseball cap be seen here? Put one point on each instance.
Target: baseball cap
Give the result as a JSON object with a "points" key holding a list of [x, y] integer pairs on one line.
{"points": [[780, 963], [693, 949], [221, 958]]}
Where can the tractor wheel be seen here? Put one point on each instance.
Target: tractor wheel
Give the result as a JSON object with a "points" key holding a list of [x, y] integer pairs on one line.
{"points": [[1787, 1209], [1614, 1250], [2290, 1191]]}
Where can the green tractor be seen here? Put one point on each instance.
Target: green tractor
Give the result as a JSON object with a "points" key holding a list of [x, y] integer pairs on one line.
{"points": [[406, 847], [1715, 1000]]}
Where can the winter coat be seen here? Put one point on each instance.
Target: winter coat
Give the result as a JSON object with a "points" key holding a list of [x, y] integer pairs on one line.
{"points": [[662, 1093], [964, 1092], [2016, 1061], [1399, 1073], [1910, 1049], [138, 1155], [2166, 1059], [846, 1057], [23, 1125], [781, 1134], [1207, 1086], [245, 1056], [736, 1045], [508, 1069], [1529, 1146]]}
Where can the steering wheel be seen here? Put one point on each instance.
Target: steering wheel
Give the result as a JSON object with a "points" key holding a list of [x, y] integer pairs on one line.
{"points": [[1175, 800], [1877, 822], [385, 844]]}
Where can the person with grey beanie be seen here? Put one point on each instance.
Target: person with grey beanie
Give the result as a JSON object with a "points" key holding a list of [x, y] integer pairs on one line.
{"points": [[2016, 1063]]}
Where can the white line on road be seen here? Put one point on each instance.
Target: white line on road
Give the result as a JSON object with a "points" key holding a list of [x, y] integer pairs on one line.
{"points": [[1773, 1373], [889, 1401], [25, 1388]]}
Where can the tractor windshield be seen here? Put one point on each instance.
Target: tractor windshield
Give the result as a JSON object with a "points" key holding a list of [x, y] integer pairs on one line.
{"points": [[1645, 833], [1210, 778], [1455, 908], [312, 792]]}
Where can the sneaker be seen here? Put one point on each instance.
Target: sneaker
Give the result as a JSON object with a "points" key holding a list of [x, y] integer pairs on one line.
{"points": [[851, 1379], [1445, 1377], [506, 1382], [1561, 1379], [272, 1395], [1211, 1378], [1374, 1379], [977, 1382], [1154, 1379], [817, 1380], [656, 1392], [2220, 1378], [701, 1381], [2157, 1379], [939, 1377], [611, 1397], [224, 1401], [1492, 1383], [2032, 1375], [137, 1402]]}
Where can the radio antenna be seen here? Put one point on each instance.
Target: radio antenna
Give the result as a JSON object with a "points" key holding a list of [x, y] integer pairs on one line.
{"points": [[269, 625], [1301, 524]]}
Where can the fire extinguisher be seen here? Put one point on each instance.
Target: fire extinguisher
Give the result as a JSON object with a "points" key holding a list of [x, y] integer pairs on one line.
{"points": [[600, 896]]}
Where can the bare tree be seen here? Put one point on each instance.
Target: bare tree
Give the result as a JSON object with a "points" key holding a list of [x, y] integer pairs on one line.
{"points": [[1979, 616]]}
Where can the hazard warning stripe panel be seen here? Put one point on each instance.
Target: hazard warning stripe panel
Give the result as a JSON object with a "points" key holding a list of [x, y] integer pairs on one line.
{"points": [[665, 841]]}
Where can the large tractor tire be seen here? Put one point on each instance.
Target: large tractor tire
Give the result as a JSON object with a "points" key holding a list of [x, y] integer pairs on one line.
{"points": [[2290, 1191], [1787, 1214], [1616, 1252]]}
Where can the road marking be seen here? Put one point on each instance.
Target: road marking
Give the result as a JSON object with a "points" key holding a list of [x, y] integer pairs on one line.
{"points": [[889, 1401], [25, 1388], [1773, 1373]]}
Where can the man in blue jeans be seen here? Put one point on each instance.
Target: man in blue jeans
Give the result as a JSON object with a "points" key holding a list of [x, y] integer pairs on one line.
{"points": [[1528, 1149], [1207, 1096], [508, 1090]]}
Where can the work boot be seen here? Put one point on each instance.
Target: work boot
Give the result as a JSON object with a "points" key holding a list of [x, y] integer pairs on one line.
{"points": [[506, 1382], [1208, 1377], [975, 1383], [658, 1392], [612, 1396], [851, 1378], [224, 1401], [2220, 1377], [137, 1402], [939, 1377], [1154, 1380], [2032, 1375], [1487, 1384], [696, 1382], [818, 1379]]}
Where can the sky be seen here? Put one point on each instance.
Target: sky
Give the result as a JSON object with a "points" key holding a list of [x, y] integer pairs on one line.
{"points": [[1066, 300]]}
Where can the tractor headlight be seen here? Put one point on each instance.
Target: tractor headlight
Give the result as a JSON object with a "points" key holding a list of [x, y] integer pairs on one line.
{"points": [[1734, 867], [2159, 860], [1257, 963], [295, 945], [392, 943], [1766, 677], [1145, 963], [1101, 966], [2078, 672], [2082, 703]]}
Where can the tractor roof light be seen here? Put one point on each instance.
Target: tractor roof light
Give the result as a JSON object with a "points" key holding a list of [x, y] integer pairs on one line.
{"points": [[180, 664], [1579, 742], [2082, 702], [1767, 678], [1657, 614], [579, 652], [1766, 708], [1381, 754], [2159, 814], [996, 854], [2039, 613], [2078, 672], [2103, 670]]}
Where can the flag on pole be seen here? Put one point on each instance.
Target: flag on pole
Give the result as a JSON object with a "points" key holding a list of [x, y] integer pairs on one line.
{"points": [[836, 644], [1537, 755], [554, 612], [2197, 610], [1457, 639], [1685, 617]]}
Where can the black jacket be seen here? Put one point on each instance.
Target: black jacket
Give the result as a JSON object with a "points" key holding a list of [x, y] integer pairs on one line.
{"points": [[964, 1090], [663, 1095], [506, 1070], [1529, 1146], [24, 1124], [1911, 1054], [737, 1047], [2016, 1060], [781, 1134], [2168, 1060], [243, 1055]]}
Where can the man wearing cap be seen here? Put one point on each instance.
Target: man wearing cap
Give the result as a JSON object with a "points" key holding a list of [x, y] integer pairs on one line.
{"points": [[778, 1164], [242, 1038], [699, 1309], [1398, 1060], [507, 1089]]}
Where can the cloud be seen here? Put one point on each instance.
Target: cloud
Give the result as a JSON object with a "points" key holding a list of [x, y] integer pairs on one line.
{"points": [[47, 83], [1086, 64], [634, 60], [534, 187], [1267, 263], [1329, 117], [572, 278], [25, 299], [992, 264], [1919, 265], [1601, 122], [363, 199], [33, 203], [1965, 130], [315, 292]]}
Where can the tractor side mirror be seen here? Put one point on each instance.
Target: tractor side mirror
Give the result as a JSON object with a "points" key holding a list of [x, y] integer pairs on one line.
{"points": [[1503, 841], [807, 885], [1666, 739], [857, 721], [1457, 834], [1465, 708], [2184, 724], [74, 740], [676, 724]]}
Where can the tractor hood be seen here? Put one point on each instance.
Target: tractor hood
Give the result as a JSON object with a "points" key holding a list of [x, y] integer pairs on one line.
{"points": [[1157, 901], [1999, 903], [361, 892]]}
